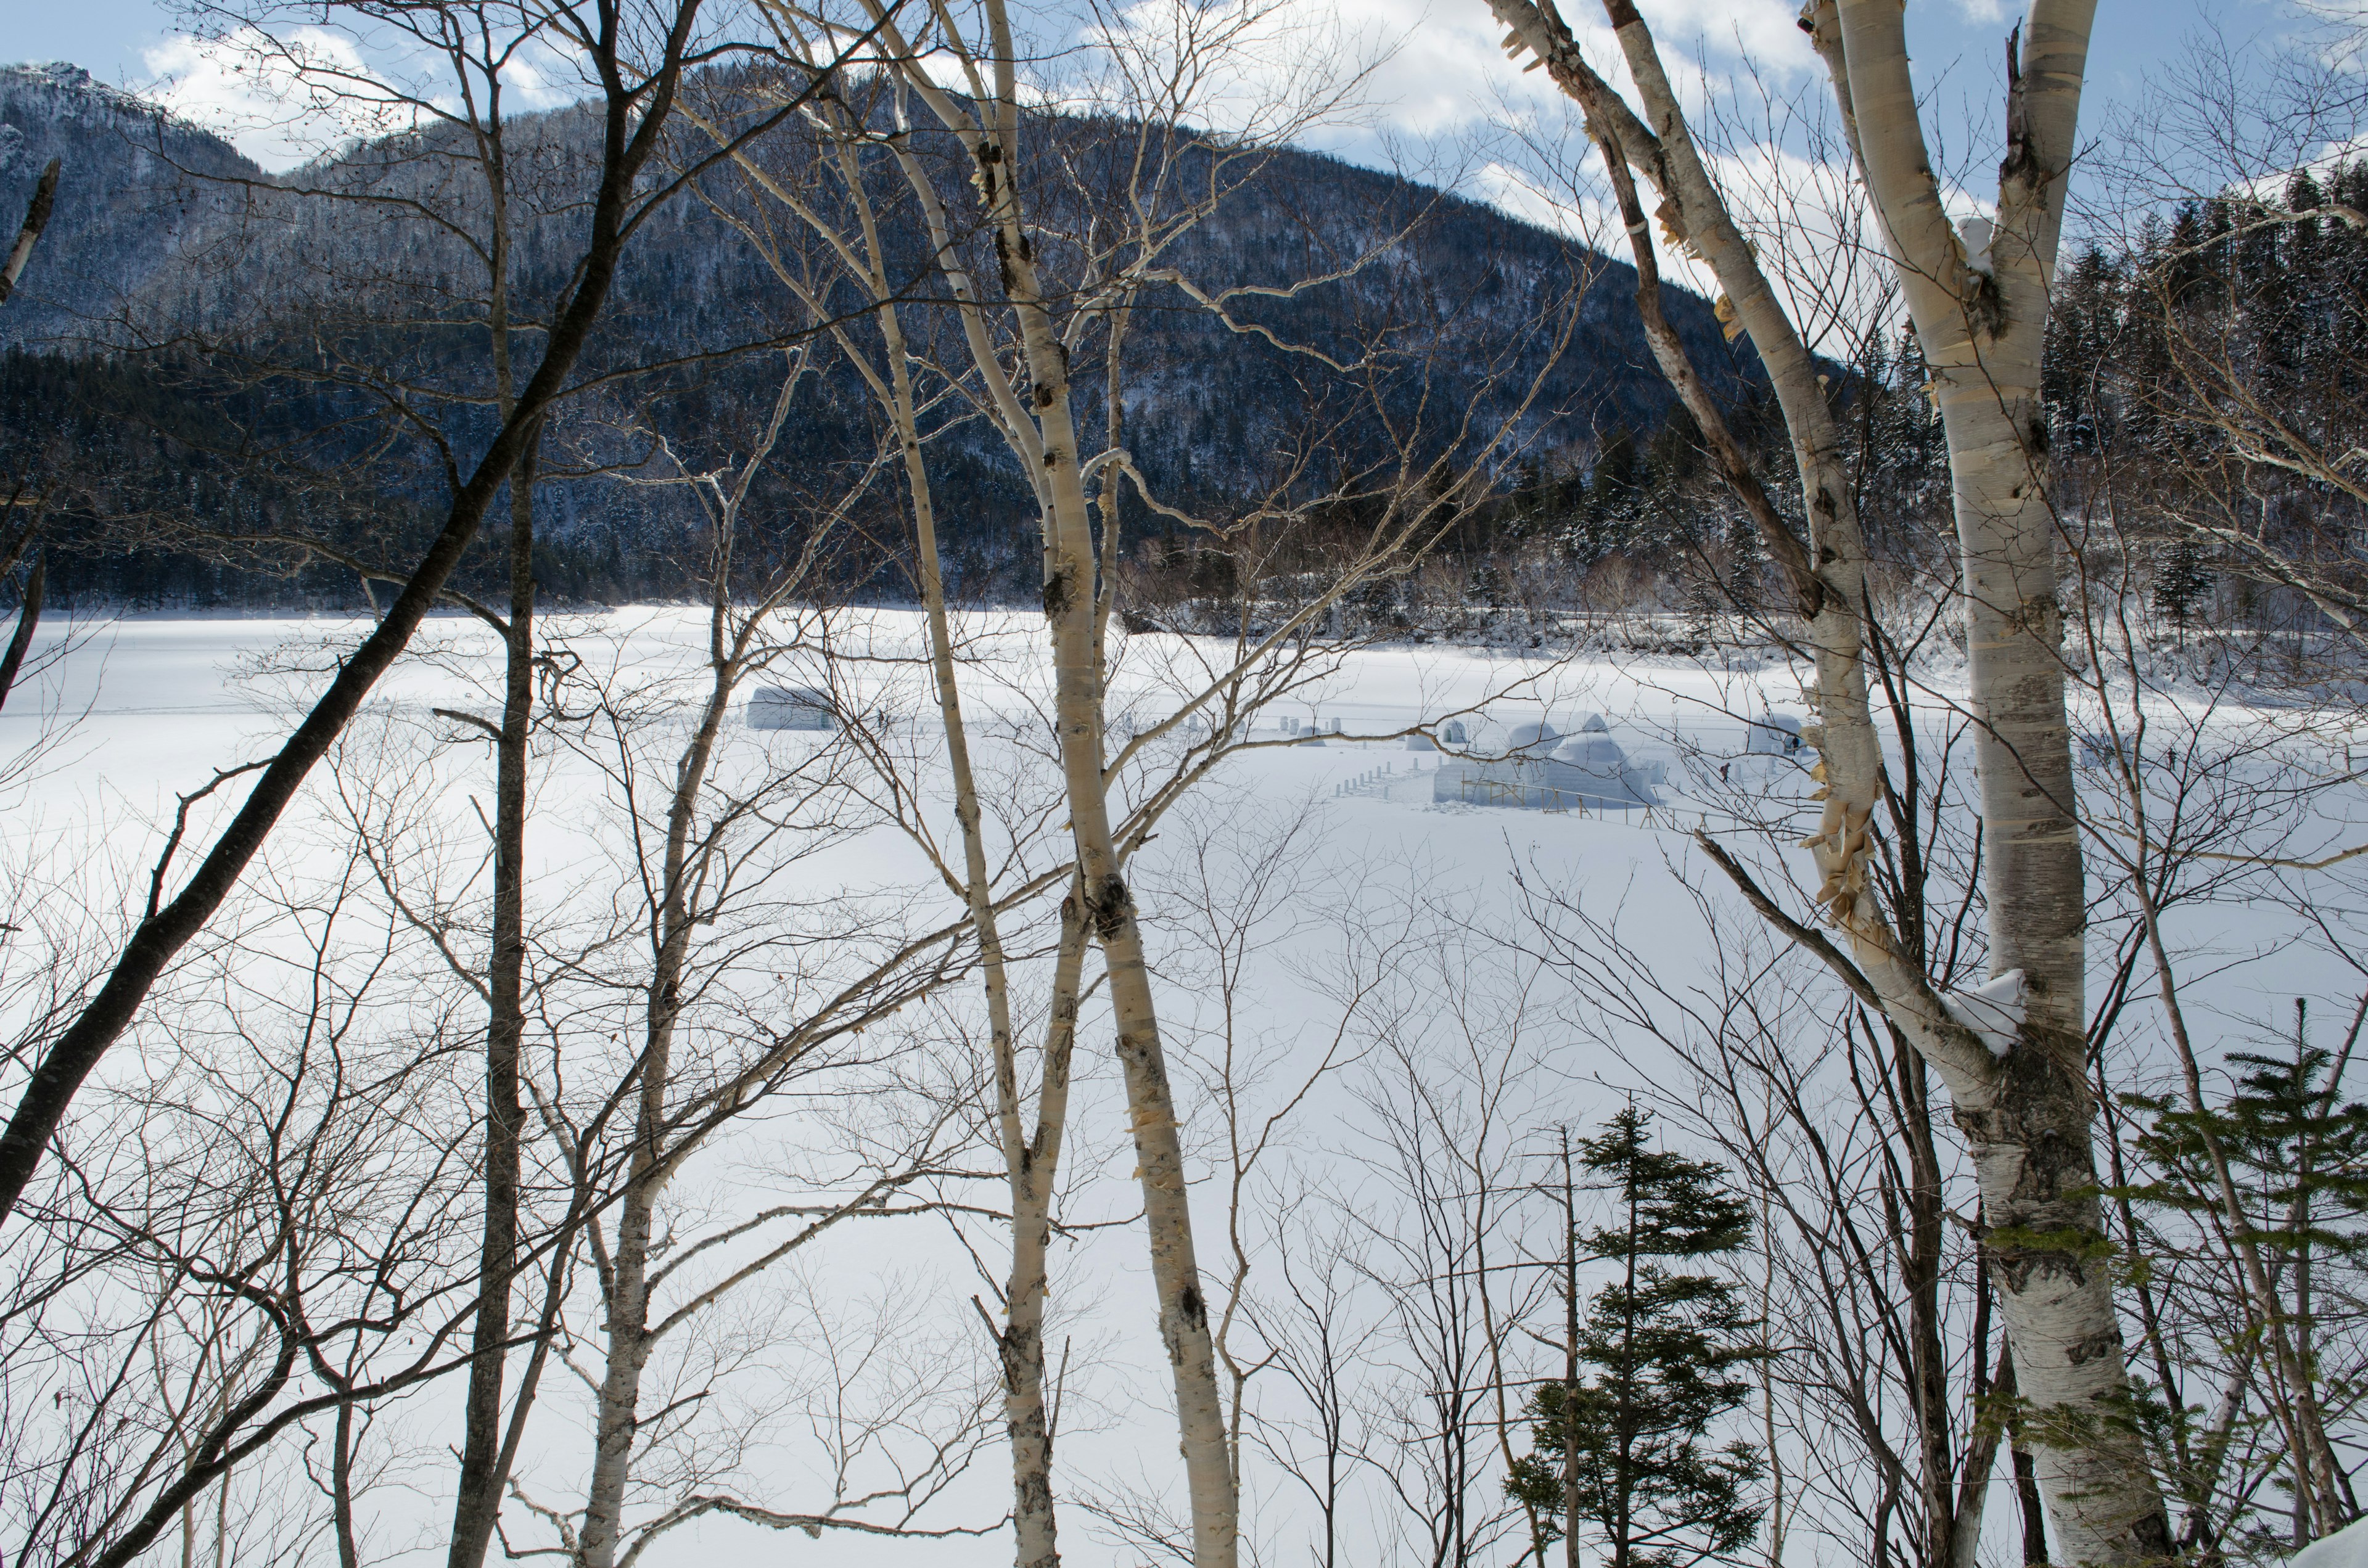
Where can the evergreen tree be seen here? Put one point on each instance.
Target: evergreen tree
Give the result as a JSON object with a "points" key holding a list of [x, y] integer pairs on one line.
{"points": [[2296, 1156], [1623, 1446], [1618, 475], [2183, 577]]}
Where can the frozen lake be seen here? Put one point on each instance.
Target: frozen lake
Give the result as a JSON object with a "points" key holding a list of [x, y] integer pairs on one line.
{"points": [[1294, 875]]}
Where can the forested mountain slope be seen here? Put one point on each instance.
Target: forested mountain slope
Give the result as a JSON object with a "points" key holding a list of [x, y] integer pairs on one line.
{"points": [[171, 253]]}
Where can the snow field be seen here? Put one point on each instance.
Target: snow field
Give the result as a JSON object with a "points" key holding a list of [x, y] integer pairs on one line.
{"points": [[1318, 956]]}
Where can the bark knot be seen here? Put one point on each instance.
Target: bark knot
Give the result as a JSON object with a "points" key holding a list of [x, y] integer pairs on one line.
{"points": [[1110, 904], [1057, 597], [2104, 1342], [1985, 304]]}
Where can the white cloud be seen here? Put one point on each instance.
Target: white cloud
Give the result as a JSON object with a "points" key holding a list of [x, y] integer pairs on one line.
{"points": [[287, 98], [282, 101], [1445, 69], [1766, 33]]}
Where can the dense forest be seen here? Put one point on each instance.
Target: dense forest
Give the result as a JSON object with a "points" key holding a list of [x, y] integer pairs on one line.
{"points": [[128, 396]]}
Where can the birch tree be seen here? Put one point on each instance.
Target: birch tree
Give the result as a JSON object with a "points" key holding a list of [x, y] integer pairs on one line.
{"points": [[2019, 1092], [707, 850], [1063, 287]]}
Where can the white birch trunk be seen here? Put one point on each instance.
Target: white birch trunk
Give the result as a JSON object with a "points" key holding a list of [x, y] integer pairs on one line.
{"points": [[1109, 910], [2026, 1117], [1043, 433], [1031, 1164], [2030, 1122]]}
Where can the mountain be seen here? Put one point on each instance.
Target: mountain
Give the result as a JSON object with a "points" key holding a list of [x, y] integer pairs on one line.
{"points": [[132, 198], [164, 233]]}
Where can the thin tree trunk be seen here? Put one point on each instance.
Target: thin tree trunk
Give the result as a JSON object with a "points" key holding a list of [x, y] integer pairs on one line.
{"points": [[1570, 1512], [1623, 1522], [633, 124], [652, 1164], [2320, 1507], [627, 1292], [477, 1500], [1981, 1459], [2032, 1508], [1109, 905], [341, 1490], [1071, 609], [1928, 1360], [481, 1479], [1032, 1163], [627, 1302], [1025, 1290], [1677, 367], [36, 217]]}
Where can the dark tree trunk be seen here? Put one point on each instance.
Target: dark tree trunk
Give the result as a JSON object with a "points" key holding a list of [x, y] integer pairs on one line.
{"points": [[28, 616], [479, 1502], [634, 119]]}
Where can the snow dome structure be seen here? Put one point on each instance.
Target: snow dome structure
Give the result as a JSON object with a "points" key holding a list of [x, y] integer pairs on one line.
{"points": [[1531, 740], [1597, 756], [791, 707], [1547, 771]]}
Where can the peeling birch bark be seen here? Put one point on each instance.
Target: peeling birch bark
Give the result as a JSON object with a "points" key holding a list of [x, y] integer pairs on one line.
{"points": [[2027, 1116], [2030, 1122]]}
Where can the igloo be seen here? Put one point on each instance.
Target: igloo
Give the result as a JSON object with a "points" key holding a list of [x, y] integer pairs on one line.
{"points": [[1586, 771], [791, 707], [1531, 740]]}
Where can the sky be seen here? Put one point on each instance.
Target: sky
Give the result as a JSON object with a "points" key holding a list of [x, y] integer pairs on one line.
{"points": [[1439, 101], [1437, 72]]}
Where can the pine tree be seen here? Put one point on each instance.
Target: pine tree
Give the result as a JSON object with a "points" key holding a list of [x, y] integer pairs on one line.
{"points": [[2296, 1156], [1623, 1446], [2183, 577]]}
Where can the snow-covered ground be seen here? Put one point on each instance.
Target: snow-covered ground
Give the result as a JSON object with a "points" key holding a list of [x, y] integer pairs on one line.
{"points": [[1321, 879]]}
